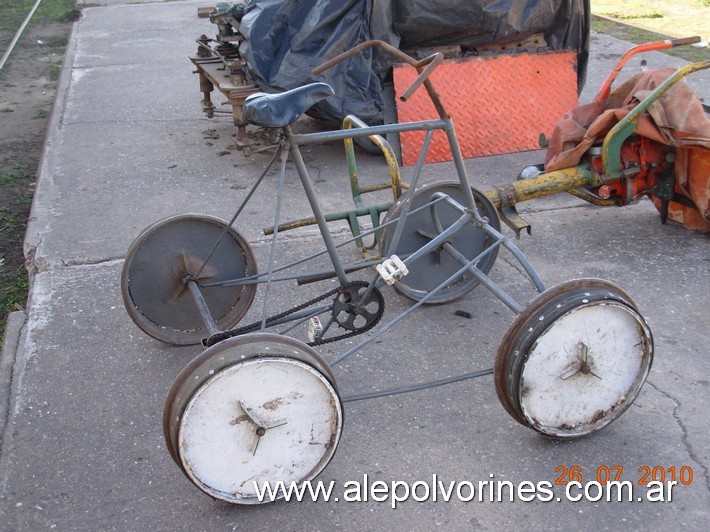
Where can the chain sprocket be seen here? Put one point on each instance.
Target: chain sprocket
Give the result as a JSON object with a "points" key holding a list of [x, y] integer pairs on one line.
{"points": [[356, 309]]}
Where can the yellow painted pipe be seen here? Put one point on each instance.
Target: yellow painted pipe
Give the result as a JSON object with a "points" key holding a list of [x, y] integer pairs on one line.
{"points": [[582, 175]]}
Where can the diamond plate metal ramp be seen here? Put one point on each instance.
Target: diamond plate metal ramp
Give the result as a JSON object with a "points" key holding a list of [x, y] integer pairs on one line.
{"points": [[499, 104]]}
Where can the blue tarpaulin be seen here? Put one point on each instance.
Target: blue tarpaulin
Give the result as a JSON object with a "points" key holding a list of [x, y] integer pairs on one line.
{"points": [[286, 39]]}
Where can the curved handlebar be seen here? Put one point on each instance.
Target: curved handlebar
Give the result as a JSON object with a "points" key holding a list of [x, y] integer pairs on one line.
{"points": [[605, 89], [364, 46], [424, 66]]}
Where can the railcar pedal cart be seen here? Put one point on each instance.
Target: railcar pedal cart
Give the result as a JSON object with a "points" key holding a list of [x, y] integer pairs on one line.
{"points": [[258, 406]]}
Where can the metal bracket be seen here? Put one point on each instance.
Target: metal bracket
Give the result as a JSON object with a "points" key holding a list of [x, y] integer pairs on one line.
{"points": [[512, 219]]}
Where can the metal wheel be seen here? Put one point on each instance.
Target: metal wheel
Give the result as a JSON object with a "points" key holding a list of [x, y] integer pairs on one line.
{"points": [[160, 258], [251, 409], [430, 271], [574, 360]]}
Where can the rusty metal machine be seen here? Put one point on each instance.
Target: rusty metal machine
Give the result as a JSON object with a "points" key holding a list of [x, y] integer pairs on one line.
{"points": [[220, 65], [623, 156]]}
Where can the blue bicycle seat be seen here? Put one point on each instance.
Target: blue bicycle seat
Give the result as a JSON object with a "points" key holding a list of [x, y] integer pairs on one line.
{"points": [[279, 110]]}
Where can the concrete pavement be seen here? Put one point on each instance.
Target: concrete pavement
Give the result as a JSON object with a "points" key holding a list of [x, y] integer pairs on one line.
{"points": [[83, 388]]}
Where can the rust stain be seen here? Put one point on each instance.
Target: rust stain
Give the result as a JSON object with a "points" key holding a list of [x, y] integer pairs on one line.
{"points": [[238, 420], [597, 416], [279, 401], [273, 404]]}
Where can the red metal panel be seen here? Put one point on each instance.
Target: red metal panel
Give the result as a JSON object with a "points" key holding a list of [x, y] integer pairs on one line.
{"points": [[499, 104]]}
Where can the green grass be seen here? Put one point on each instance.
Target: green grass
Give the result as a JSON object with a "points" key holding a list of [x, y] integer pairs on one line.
{"points": [[13, 298], [8, 222], [25, 198], [6, 178], [637, 35], [54, 71], [18, 172], [671, 18], [15, 11], [632, 16]]}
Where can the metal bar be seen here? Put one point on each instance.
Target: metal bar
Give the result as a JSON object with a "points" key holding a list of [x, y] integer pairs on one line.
{"points": [[315, 207], [440, 238], [424, 74], [521, 258], [461, 169], [408, 201], [582, 175], [203, 308], [351, 121], [504, 241], [322, 136], [332, 217], [240, 209], [419, 65], [416, 387], [375, 188], [18, 34], [252, 279], [272, 255], [329, 274], [214, 52], [352, 168], [605, 89], [486, 281]]}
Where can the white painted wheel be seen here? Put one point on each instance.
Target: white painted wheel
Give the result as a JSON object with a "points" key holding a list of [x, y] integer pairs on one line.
{"points": [[253, 409], [574, 360]]}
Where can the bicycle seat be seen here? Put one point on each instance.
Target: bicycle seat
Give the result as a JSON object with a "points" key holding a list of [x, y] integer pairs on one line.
{"points": [[279, 110]]}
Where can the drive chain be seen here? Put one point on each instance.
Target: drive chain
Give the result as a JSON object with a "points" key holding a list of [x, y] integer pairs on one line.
{"points": [[252, 327]]}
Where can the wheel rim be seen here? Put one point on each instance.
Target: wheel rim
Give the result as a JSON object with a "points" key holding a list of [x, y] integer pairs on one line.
{"points": [[574, 360], [157, 262], [203, 427]]}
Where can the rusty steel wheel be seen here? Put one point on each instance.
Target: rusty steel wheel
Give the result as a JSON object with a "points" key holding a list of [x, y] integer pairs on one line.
{"points": [[431, 270], [253, 409], [158, 261], [574, 360]]}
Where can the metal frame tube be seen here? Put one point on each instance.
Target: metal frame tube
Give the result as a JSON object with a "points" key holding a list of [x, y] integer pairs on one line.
{"points": [[342, 134], [203, 308], [408, 201], [272, 254], [461, 169], [256, 278], [315, 206], [504, 241]]}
